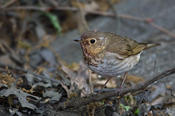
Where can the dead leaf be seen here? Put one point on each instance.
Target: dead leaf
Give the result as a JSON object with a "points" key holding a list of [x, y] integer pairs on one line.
{"points": [[79, 80], [22, 97], [6, 79], [134, 79], [74, 66]]}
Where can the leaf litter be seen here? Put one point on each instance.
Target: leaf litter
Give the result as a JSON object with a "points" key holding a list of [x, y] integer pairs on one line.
{"points": [[34, 80]]}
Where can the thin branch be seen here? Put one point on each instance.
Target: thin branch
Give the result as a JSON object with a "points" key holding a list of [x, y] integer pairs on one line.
{"points": [[147, 20], [78, 102], [166, 31], [9, 3], [72, 9], [40, 8]]}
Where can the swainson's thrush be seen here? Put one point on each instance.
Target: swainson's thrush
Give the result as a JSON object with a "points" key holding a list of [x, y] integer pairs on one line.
{"points": [[108, 54]]}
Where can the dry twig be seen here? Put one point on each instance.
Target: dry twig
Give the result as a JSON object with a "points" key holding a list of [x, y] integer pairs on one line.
{"points": [[147, 20], [9, 3]]}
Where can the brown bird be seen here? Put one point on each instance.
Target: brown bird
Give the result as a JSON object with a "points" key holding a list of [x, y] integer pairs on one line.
{"points": [[108, 54]]}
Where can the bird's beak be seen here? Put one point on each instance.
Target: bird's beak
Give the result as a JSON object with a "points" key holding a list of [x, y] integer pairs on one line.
{"points": [[77, 40]]}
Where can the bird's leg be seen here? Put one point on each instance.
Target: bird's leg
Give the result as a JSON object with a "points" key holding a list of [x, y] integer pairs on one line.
{"points": [[90, 82], [107, 82], [124, 79]]}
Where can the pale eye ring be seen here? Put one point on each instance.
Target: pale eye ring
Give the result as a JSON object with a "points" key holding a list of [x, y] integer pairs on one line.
{"points": [[92, 41]]}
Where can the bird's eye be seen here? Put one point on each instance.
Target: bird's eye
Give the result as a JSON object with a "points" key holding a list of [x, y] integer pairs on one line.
{"points": [[92, 41]]}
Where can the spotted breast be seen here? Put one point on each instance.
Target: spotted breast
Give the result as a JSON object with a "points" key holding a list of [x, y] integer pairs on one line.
{"points": [[112, 66]]}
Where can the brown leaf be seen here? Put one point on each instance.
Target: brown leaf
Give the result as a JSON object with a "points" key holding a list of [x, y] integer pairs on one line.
{"points": [[134, 79], [6, 79], [80, 78]]}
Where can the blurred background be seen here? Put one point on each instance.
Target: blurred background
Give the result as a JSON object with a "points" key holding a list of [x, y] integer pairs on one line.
{"points": [[38, 35]]}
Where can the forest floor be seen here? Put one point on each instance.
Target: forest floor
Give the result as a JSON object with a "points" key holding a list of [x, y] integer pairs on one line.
{"points": [[41, 66]]}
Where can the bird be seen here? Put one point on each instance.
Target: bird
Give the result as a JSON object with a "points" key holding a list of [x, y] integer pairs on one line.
{"points": [[109, 54]]}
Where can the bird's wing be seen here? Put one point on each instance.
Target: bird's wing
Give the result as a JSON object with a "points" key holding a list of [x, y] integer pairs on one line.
{"points": [[123, 46]]}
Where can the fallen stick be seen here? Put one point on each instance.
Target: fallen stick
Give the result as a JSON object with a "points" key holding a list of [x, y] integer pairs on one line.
{"points": [[82, 101]]}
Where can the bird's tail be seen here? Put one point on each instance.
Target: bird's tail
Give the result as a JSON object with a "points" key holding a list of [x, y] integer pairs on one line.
{"points": [[150, 45]]}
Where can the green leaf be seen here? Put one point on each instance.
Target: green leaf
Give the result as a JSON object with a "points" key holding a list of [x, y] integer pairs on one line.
{"points": [[54, 20], [101, 102], [127, 108], [136, 112]]}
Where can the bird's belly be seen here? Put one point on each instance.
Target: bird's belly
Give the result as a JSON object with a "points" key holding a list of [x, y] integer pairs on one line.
{"points": [[113, 67]]}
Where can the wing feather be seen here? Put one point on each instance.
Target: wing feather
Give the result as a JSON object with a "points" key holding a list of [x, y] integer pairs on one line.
{"points": [[124, 46]]}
